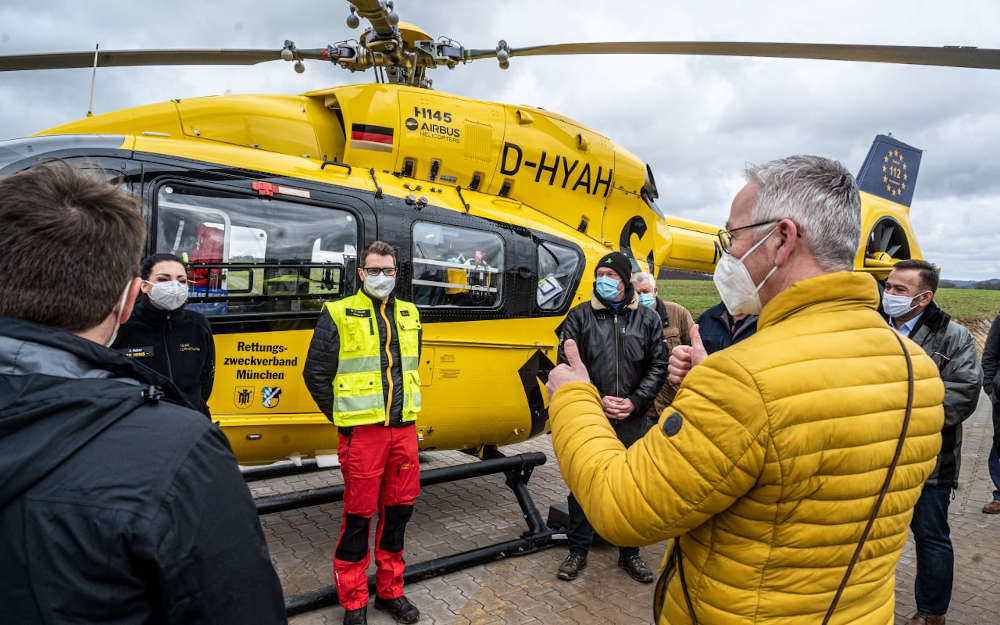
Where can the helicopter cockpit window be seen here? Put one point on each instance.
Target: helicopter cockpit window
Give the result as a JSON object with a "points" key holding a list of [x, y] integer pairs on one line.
{"points": [[557, 269], [253, 255], [455, 266]]}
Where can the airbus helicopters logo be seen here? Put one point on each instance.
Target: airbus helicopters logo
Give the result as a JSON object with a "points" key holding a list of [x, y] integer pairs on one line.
{"points": [[560, 171], [429, 127]]}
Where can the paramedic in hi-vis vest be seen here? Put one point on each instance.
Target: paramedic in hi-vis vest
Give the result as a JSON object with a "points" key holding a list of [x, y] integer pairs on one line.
{"points": [[362, 372]]}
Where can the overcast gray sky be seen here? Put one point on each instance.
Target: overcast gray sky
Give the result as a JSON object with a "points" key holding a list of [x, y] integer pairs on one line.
{"points": [[696, 120]]}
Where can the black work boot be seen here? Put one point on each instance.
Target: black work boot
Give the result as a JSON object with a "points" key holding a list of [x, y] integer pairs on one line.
{"points": [[356, 617], [571, 566], [399, 608], [635, 567]]}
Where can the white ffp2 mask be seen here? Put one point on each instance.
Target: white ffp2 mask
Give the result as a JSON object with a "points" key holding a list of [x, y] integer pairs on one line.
{"points": [[740, 295], [169, 295]]}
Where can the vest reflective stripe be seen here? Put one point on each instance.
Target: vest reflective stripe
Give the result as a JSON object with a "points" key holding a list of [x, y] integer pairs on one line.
{"points": [[357, 387], [359, 365], [412, 400], [343, 404]]}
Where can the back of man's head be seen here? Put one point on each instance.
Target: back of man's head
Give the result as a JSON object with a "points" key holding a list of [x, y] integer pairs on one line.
{"points": [[820, 196], [69, 243]]}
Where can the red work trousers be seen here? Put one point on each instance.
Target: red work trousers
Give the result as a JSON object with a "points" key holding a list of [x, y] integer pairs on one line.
{"points": [[380, 470]]}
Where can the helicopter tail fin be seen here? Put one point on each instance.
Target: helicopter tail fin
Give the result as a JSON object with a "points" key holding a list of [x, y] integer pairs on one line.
{"points": [[890, 170]]}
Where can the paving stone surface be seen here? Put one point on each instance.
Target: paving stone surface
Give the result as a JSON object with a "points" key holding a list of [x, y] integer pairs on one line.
{"points": [[459, 516]]}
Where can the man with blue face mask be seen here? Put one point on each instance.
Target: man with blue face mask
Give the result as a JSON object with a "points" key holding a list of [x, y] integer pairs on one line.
{"points": [[622, 343], [677, 322], [909, 303]]}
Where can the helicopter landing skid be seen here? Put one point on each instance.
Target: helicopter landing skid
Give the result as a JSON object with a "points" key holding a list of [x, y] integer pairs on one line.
{"points": [[517, 469]]}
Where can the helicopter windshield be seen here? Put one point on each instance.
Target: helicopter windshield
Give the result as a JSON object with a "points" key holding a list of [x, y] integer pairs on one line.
{"points": [[16, 150]]}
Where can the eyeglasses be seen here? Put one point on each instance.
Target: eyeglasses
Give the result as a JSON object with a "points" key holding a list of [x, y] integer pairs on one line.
{"points": [[726, 235], [385, 271]]}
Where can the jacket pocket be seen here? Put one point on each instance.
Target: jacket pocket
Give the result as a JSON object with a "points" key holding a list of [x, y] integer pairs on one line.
{"points": [[351, 333], [355, 384], [407, 323]]}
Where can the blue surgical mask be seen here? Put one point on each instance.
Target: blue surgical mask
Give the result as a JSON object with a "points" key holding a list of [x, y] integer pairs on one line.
{"points": [[606, 287], [647, 299]]}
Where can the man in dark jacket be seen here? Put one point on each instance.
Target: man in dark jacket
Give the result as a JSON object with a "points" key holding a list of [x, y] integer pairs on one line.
{"points": [[677, 322], [991, 384], [621, 343], [116, 504], [908, 300], [719, 329]]}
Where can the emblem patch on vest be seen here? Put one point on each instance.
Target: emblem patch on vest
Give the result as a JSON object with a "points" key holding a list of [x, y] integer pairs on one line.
{"points": [[354, 312], [672, 424], [404, 313]]}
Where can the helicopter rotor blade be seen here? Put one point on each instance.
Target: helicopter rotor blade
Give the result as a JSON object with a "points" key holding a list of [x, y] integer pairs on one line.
{"points": [[128, 58], [377, 14], [947, 56]]}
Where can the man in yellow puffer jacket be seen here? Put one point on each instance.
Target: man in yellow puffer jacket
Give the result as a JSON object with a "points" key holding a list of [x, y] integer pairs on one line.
{"points": [[769, 462]]}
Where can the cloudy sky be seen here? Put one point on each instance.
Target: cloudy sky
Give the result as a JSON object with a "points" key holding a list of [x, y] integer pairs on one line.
{"points": [[696, 120]]}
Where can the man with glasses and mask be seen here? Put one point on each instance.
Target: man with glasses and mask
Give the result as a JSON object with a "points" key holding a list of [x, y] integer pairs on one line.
{"points": [[909, 303], [780, 454], [361, 370]]}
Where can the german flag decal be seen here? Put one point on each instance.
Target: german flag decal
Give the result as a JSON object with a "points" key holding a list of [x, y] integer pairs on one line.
{"points": [[368, 137]]}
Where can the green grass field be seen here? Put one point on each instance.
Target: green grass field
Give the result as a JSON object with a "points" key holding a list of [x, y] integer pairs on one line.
{"points": [[699, 295]]}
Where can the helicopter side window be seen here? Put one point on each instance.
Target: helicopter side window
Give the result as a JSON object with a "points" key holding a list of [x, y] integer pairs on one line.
{"points": [[253, 255], [557, 269], [456, 267]]}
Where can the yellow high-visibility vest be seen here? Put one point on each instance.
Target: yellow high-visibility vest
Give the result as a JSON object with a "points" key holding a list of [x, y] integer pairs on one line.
{"points": [[357, 387]]}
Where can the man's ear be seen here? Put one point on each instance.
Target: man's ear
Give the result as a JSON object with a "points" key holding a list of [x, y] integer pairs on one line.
{"points": [[788, 238], [129, 303], [930, 296]]}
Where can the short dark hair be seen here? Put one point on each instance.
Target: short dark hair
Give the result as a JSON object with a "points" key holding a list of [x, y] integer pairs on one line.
{"points": [[380, 248], [69, 243], [929, 274], [151, 261]]}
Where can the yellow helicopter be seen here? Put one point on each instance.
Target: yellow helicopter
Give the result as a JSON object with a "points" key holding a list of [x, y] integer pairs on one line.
{"points": [[498, 213]]}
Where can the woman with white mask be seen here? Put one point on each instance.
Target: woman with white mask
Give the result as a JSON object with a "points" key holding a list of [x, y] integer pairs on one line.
{"points": [[165, 336]]}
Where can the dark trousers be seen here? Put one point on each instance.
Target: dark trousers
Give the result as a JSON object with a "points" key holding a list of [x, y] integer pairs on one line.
{"points": [[935, 558], [581, 535], [994, 461]]}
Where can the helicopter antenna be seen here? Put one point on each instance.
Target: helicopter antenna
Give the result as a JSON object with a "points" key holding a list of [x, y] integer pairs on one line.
{"points": [[93, 79]]}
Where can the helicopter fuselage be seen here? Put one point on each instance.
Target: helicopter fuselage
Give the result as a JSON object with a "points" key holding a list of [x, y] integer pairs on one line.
{"points": [[498, 214]]}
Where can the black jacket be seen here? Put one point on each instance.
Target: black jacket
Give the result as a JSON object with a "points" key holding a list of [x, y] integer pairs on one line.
{"points": [[991, 359], [177, 344], [116, 505], [953, 350], [324, 356], [624, 354], [717, 330]]}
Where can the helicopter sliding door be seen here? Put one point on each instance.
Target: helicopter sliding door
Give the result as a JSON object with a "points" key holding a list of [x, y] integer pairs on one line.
{"points": [[263, 256]]}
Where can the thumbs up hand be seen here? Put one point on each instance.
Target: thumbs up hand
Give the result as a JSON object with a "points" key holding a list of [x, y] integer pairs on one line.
{"points": [[575, 371], [684, 357]]}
